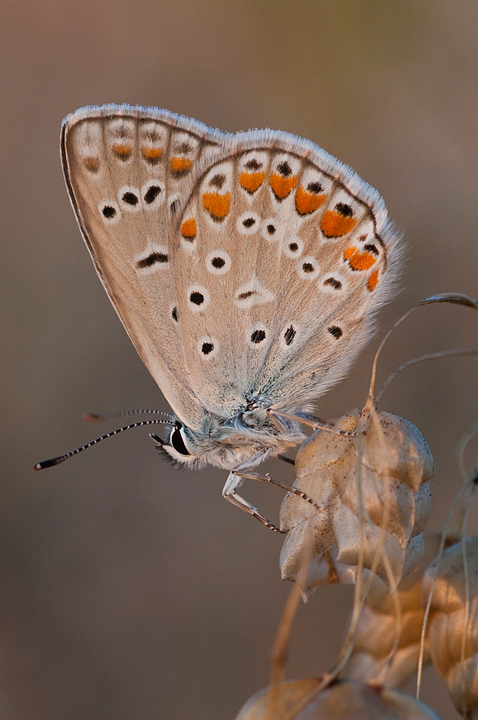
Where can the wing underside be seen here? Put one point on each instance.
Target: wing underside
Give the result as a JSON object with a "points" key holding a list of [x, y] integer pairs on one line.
{"points": [[246, 269]]}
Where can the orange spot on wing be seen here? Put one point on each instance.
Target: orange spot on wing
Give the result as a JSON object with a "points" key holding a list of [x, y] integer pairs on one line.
{"points": [[180, 164], [358, 260], [251, 181], [372, 281], [281, 185], [218, 205], [92, 164], [189, 228], [122, 150], [150, 153], [306, 202], [334, 224]]}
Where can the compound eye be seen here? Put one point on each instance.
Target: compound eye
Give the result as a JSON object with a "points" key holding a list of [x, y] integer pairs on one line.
{"points": [[177, 441]]}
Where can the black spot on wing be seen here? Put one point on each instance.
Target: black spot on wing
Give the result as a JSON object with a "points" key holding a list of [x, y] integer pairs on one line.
{"points": [[258, 336], [285, 169], [289, 335], [109, 212], [333, 282], [130, 198], [151, 194], [344, 209], [253, 164], [246, 295], [196, 297], [207, 347], [218, 181], [335, 331], [152, 259], [371, 248], [314, 187]]}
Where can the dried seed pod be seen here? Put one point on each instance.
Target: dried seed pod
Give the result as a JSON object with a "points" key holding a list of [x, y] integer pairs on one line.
{"points": [[377, 628], [378, 507], [295, 700], [453, 627]]}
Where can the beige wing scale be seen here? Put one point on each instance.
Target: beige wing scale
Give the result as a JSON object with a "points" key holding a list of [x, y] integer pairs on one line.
{"points": [[280, 259], [126, 169]]}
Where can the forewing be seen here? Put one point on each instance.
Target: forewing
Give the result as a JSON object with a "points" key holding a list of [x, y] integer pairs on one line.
{"points": [[126, 169], [281, 257]]}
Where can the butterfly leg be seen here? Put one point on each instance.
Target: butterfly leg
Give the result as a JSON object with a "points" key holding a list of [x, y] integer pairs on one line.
{"points": [[314, 422], [233, 483]]}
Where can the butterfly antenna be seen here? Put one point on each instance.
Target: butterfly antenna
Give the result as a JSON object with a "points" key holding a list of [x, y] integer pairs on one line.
{"points": [[100, 417], [66, 456]]}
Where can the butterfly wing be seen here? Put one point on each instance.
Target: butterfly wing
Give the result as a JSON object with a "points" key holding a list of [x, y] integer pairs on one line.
{"points": [[125, 168], [281, 257], [246, 269]]}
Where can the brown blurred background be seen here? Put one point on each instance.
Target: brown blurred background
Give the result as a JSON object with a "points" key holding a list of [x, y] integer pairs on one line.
{"points": [[129, 589]]}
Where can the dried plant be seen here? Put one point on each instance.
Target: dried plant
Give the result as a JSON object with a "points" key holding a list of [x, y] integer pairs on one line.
{"points": [[367, 481]]}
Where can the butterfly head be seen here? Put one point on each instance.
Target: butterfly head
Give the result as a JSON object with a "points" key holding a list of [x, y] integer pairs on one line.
{"points": [[244, 440]]}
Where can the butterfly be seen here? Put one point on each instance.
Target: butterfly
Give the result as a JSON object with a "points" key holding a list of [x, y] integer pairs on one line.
{"points": [[246, 268]]}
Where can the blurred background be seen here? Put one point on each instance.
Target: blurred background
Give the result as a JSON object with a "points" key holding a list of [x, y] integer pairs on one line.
{"points": [[129, 589]]}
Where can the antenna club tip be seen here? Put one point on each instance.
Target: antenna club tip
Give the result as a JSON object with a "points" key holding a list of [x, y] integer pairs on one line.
{"points": [[48, 463]]}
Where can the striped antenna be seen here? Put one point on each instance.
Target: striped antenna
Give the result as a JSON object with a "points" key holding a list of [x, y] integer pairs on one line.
{"points": [[100, 417], [66, 456]]}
